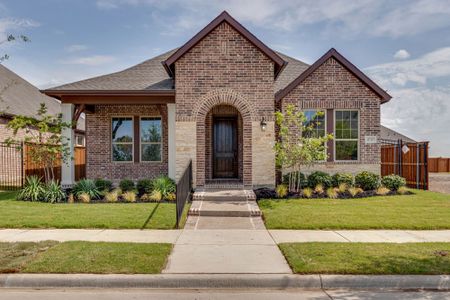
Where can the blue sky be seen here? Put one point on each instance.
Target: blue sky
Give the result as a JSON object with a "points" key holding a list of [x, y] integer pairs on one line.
{"points": [[402, 45]]}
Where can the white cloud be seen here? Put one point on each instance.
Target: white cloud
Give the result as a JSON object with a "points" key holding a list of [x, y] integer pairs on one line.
{"points": [[349, 18], [94, 60], [76, 48], [434, 64], [402, 54], [421, 113]]}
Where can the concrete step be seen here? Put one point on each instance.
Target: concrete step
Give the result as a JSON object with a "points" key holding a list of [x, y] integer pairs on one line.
{"points": [[224, 195], [224, 209]]}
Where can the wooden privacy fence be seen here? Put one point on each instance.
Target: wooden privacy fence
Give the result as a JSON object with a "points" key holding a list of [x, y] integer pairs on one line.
{"points": [[31, 168], [439, 164], [409, 160]]}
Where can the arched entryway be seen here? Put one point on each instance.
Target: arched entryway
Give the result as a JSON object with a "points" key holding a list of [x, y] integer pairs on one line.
{"points": [[223, 144]]}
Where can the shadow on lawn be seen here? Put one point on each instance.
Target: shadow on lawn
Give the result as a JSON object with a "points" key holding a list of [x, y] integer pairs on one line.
{"points": [[150, 216]]}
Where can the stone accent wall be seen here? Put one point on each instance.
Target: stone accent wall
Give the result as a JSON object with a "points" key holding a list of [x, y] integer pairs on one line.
{"points": [[224, 68], [264, 155], [332, 86], [98, 142], [186, 143]]}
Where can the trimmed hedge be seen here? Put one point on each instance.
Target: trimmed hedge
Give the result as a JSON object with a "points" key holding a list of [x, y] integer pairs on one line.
{"points": [[367, 180], [340, 178], [319, 177], [393, 182]]}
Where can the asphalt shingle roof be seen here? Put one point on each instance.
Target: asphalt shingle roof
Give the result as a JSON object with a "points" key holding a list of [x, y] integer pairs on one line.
{"points": [[151, 75]]}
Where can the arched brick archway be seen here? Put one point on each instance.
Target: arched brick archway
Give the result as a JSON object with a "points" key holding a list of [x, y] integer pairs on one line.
{"points": [[204, 106]]}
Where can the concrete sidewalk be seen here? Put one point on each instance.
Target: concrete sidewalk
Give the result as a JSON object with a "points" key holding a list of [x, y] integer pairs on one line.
{"points": [[215, 236]]}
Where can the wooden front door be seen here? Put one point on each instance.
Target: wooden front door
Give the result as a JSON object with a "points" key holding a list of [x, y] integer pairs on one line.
{"points": [[225, 163]]}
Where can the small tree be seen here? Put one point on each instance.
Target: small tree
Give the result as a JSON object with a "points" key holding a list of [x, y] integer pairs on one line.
{"points": [[43, 133], [297, 146]]}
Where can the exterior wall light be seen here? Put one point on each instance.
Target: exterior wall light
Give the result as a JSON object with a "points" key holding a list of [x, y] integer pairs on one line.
{"points": [[263, 124]]}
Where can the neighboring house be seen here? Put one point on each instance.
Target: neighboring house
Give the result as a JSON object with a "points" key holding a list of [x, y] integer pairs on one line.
{"points": [[19, 97], [212, 101], [389, 135]]}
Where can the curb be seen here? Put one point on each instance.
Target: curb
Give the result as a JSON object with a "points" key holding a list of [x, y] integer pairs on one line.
{"points": [[225, 281]]}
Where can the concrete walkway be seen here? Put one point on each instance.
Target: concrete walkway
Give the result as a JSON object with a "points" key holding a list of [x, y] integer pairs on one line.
{"points": [[214, 230]]}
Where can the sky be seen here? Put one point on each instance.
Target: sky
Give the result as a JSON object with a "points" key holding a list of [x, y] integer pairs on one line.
{"points": [[404, 46]]}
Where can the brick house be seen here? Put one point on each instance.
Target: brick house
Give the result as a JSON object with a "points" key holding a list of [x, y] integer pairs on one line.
{"points": [[212, 101]]}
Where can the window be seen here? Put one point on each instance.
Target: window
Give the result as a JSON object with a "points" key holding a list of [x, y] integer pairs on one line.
{"points": [[346, 134], [315, 122], [151, 139], [122, 139], [79, 140]]}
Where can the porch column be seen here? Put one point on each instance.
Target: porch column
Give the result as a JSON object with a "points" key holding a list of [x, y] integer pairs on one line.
{"points": [[171, 134], [68, 169]]}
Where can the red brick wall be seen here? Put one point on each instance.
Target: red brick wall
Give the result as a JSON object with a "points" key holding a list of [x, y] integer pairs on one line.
{"points": [[332, 86], [98, 143], [224, 61]]}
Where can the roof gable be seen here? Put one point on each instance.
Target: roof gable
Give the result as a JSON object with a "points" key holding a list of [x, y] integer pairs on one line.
{"points": [[332, 53], [169, 63]]}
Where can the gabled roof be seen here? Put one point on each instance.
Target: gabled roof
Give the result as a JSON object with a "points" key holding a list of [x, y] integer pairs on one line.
{"points": [[146, 77], [332, 53], [224, 17]]}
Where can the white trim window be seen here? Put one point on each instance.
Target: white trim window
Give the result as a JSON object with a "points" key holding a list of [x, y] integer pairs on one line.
{"points": [[79, 140], [151, 139], [315, 122], [122, 138], [346, 139]]}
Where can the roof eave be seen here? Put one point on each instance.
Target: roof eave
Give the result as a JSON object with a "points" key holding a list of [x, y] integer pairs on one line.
{"points": [[59, 93]]}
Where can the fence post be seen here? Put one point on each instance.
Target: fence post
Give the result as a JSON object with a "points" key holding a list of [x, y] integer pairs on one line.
{"points": [[22, 162]]}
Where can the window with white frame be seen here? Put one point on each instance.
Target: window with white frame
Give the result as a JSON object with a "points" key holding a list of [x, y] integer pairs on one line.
{"points": [[79, 140], [314, 123], [151, 139], [346, 139], [122, 139]]}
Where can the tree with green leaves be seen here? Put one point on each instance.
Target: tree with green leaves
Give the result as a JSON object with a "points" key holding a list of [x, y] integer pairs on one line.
{"points": [[297, 145], [43, 135]]}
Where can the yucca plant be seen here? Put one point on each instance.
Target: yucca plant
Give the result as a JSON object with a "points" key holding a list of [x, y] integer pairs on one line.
{"points": [[33, 190], [86, 186], [53, 192], [164, 185]]}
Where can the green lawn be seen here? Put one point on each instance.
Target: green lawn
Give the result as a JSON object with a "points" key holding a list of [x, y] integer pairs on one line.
{"points": [[21, 214], [368, 258], [83, 257], [423, 210]]}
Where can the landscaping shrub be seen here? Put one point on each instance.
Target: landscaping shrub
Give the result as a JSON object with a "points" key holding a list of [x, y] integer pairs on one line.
{"points": [[319, 177], [144, 186], [171, 197], [164, 185], [156, 195], [53, 192], [367, 180], [307, 192], [33, 190], [111, 197], [103, 185], [340, 178], [129, 196], [393, 182], [382, 191], [281, 190], [342, 188], [86, 186], [70, 198], [126, 185], [295, 179], [355, 191], [332, 193], [319, 189], [84, 197], [402, 190]]}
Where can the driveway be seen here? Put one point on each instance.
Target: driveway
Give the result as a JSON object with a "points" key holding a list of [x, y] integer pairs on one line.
{"points": [[440, 182]]}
